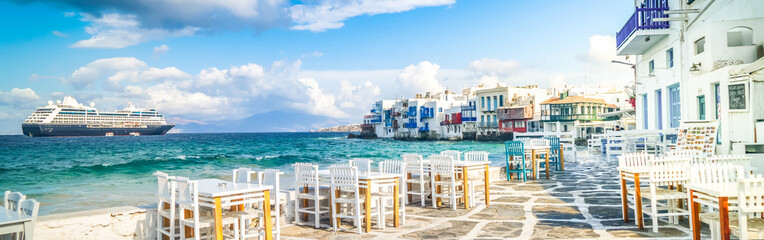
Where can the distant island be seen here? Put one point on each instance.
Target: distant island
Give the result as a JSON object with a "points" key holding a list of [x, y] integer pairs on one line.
{"points": [[344, 128]]}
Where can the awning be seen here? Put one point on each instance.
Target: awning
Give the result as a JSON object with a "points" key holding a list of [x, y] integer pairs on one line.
{"points": [[753, 69]]}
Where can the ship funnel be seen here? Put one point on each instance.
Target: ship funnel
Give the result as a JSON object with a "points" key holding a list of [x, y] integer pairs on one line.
{"points": [[92, 104]]}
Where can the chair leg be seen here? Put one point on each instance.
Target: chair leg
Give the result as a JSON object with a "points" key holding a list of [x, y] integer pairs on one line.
{"points": [[743, 224], [296, 211], [316, 212], [654, 210], [357, 218]]}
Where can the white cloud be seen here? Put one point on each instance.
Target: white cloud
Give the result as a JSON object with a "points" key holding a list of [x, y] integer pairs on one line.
{"points": [[159, 50], [60, 34], [84, 77], [320, 103], [330, 14], [118, 31], [19, 97], [492, 66], [420, 78], [170, 99]]}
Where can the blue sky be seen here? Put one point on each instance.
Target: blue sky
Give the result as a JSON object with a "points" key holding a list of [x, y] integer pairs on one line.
{"points": [[322, 57]]}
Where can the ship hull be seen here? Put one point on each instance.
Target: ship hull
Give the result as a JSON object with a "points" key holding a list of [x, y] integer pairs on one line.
{"points": [[81, 130]]}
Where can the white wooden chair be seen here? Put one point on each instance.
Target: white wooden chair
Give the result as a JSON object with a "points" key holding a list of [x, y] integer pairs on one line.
{"points": [[475, 156], [443, 176], [241, 175], [363, 164], [29, 207], [268, 177], [416, 169], [540, 155], [738, 160], [457, 155], [188, 200], [11, 200], [615, 145], [345, 191], [595, 143], [665, 172], [166, 190], [397, 167], [718, 174], [750, 224], [307, 190], [636, 162]]}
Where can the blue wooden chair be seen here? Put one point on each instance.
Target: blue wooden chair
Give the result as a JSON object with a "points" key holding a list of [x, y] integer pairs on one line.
{"points": [[554, 152], [516, 149]]}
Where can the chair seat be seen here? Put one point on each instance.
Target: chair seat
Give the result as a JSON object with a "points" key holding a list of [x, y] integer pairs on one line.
{"points": [[416, 180], [207, 221], [661, 193], [310, 196], [312, 209]]}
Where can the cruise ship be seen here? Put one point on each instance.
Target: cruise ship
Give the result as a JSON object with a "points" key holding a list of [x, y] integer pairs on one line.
{"points": [[68, 118]]}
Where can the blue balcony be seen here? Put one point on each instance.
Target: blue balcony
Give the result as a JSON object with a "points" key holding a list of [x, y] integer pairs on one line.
{"points": [[469, 119], [376, 119], [426, 112], [468, 108], [409, 125], [411, 112], [641, 32], [426, 128]]}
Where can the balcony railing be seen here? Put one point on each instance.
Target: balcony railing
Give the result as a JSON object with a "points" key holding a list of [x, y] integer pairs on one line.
{"points": [[488, 125], [426, 128], [642, 18], [469, 119], [411, 112], [445, 122], [409, 125], [573, 117], [468, 108]]}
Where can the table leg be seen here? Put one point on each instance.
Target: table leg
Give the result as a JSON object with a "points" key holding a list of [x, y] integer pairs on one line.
{"points": [[165, 221], [724, 218], [337, 206], [547, 164], [305, 204], [638, 199], [465, 186], [189, 230], [694, 216], [367, 206], [487, 193], [511, 161], [410, 197], [438, 191], [267, 215], [562, 159], [396, 202], [218, 220], [533, 161], [624, 198]]}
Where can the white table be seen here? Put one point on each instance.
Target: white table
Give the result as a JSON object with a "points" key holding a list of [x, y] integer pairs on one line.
{"points": [[538, 150], [721, 191], [368, 179], [14, 222], [218, 189]]}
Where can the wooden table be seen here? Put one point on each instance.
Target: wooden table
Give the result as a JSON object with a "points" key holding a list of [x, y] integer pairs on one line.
{"points": [[15, 222], [366, 180], [634, 173], [211, 188], [538, 149], [723, 192], [467, 167]]}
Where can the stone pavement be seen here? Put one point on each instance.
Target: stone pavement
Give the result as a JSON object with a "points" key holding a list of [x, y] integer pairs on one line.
{"points": [[583, 202]]}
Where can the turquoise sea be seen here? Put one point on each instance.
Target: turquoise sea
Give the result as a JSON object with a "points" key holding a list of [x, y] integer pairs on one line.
{"points": [[85, 173]]}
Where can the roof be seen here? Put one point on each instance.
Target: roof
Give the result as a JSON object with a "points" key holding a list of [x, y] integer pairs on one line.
{"points": [[612, 106], [753, 68], [573, 99]]}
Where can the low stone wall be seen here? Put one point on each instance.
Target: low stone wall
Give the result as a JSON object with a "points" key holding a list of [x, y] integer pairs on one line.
{"points": [[139, 223]]}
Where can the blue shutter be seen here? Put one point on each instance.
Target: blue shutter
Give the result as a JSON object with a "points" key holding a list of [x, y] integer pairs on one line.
{"points": [[644, 111], [659, 107], [675, 105]]}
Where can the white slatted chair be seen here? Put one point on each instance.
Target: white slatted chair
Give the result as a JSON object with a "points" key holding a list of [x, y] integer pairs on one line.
{"points": [[188, 200], [241, 175], [637, 162], [714, 174], [416, 169], [475, 156], [750, 224], [166, 190], [594, 144], [308, 189], [363, 164], [738, 160], [665, 172], [29, 207], [397, 167], [246, 229], [443, 166], [457, 155], [616, 145], [540, 156], [11, 200], [345, 191]]}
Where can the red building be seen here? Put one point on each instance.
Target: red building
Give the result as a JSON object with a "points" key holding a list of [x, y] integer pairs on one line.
{"points": [[514, 118]]}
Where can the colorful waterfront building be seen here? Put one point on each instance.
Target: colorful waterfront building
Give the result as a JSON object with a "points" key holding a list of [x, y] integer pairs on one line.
{"points": [[514, 118]]}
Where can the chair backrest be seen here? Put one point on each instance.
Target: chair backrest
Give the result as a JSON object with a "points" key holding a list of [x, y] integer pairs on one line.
{"points": [[739, 160], [554, 142], [442, 165], [538, 142], [392, 166], [457, 155], [187, 192], [164, 188], [241, 175], [715, 174], [270, 177], [635, 160], [305, 175], [363, 164], [29, 207], [476, 156], [751, 194], [414, 164], [12, 200], [665, 171], [344, 178], [514, 148], [407, 156]]}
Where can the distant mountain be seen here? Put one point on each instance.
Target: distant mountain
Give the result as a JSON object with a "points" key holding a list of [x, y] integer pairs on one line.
{"points": [[275, 121]]}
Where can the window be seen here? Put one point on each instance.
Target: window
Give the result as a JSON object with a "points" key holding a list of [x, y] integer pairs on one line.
{"points": [[489, 103], [520, 124], [700, 45], [702, 107], [670, 58], [501, 100], [495, 104], [482, 119], [644, 111], [440, 109], [718, 100], [675, 106], [659, 108], [482, 102], [651, 67], [494, 118], [739, 36]]}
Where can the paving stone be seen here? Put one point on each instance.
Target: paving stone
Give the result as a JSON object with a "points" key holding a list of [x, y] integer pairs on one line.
{"points": [[500, 212], [529, 188], [510, 199], [501, 230], [602, 201], [663, 232], [553, 194], [447, 230], [557, 212], [554, 200], [563, 230], [444, 211]]}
